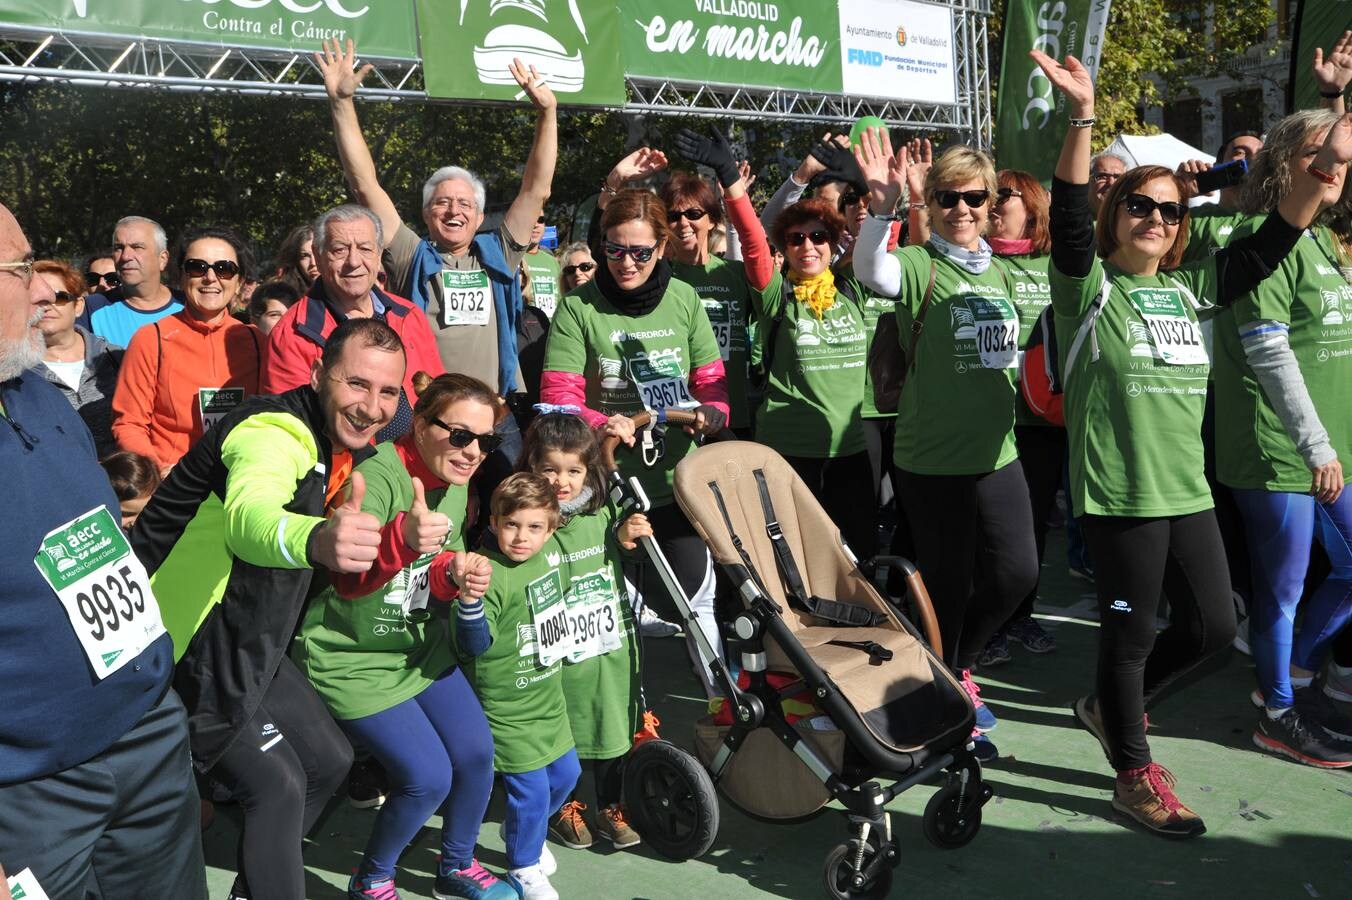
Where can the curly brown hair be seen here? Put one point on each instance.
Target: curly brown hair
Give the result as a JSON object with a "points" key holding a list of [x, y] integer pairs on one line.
{"points": [[1269, 178], [805, 211]]}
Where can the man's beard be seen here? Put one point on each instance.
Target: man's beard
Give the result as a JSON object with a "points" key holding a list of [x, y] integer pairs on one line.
{"points": [[23, 353]]}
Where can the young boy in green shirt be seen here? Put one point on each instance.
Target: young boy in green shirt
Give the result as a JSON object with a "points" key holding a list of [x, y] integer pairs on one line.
{"points": [[514, 666]]}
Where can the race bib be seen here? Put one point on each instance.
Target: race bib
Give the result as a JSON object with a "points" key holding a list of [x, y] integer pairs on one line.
{"points": [[103, 588], [720, 317], [418, 586], [661, 382], [1176, 336], [549, 615], [593, 623], [216, 402], [465, 298], [546, 296], [997, 332], [24, 886]]}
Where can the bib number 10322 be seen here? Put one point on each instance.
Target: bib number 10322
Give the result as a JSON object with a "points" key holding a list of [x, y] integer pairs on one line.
{"points": [[103, 588]]}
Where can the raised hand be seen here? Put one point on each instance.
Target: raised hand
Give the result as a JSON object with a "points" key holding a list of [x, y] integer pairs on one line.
{"points": [[745, 176], [349, 540], [424, 529], [884, 172], [713, 151], [811, 166], [473, 573], [640, 164], [532, 85], [1071, 79], [920, 156], [836, 161], [1333, 72], [337, 66], [631, 529]]}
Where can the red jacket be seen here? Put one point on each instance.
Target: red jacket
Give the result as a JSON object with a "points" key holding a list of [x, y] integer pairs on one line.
{"points": [[298, 339]]}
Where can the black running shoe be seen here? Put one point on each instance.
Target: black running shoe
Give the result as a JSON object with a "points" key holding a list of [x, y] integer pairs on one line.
{"points": [[1317, 708], [1290, 735], [367, 784]]}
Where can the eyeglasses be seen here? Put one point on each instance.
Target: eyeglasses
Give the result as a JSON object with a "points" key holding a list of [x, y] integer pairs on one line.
{"points": [[579, 267], [23, 268], [462, 437], [225, 269], [1139, 206], [617, 252], [796, 238], [63, 297], [1005, 193], [693, 214], [949, 199], [850, 198], [93, 278], [1109, 177]]}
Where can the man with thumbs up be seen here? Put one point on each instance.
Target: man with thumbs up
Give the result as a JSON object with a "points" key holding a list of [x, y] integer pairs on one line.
{"points": [[238, 541]]}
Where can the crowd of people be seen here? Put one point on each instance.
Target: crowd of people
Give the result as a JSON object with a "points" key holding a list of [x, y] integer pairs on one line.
{"points": [[319, 523]]}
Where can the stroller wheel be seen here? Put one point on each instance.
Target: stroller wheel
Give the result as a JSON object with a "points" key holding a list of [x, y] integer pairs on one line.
{"points": [[952, 819], [874, 878], [671, 800]]}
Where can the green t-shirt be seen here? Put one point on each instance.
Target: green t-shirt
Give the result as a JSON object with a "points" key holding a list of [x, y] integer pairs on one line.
{"points": [[544, 280], [1134, 421], [1308, 293], [522, 699], [371, 653], [815, 383], [1032, 294], [874, 308], [603, 692], [1209, 229], [956, 411], [723, 291], [635, 362]]}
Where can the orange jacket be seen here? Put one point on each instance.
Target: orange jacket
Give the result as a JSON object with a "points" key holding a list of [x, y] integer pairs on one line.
{"points": [[157, 408]]}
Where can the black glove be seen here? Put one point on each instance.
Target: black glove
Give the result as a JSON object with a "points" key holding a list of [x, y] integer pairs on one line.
{"points": [[714, 152], [839, 161]]}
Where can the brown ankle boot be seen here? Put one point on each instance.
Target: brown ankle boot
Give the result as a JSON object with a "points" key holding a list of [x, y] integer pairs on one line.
{"points": [[1147, 796]]}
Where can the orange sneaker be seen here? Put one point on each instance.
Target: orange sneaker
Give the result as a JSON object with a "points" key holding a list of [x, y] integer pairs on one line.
{"points": [[648, 731]]}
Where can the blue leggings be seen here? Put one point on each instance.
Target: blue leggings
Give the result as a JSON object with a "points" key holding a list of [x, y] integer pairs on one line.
{"points": [[438, 753], [531, 798], [1280, 528]]}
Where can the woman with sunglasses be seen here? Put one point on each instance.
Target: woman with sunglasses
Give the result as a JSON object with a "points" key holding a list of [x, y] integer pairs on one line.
{"points": [[960, 482], [1283, 428], [384, 665], [634, 338], [1135, 370], [576, 267], [83, 365], [1019, 235], [184, 373]]}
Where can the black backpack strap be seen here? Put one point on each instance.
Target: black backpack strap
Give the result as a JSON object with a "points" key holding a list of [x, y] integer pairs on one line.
{"points": [[845, 614]]}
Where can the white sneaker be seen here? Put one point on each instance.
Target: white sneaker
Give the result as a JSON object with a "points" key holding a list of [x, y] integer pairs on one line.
{"points": [[650, 624], [548, 864], [532, 884], [1338, 682]]}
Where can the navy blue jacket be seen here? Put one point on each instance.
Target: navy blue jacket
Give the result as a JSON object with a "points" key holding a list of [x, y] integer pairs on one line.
{"points": [[54, 713]]}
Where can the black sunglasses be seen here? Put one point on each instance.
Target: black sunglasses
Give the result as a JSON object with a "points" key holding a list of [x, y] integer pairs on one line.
{"points": [[64, 296], [949, 199], [1139, 206], [579, 267], [461, 437], [796, 238], [225, 269], [109, 278], [850, 198], [1005, 193], [692, 214], [618, 251]]}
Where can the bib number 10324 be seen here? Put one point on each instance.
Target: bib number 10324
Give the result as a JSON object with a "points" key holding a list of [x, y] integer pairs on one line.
{"points": [[103, 588]]}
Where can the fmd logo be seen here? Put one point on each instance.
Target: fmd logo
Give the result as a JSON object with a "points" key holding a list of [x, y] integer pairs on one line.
{"points": [[864, 57]]}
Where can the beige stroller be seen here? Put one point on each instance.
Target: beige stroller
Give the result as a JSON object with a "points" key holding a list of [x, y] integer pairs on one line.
{"points": [[874, 704]]}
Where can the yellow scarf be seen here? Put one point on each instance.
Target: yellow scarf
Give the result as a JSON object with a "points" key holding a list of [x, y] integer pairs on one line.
{"points": [[818, 292]]}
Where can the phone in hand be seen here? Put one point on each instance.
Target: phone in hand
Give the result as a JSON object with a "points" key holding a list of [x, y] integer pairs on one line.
{"points": [[1220, 177]]}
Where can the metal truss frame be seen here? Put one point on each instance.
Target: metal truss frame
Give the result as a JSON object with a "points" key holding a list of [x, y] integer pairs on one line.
{"points": [[35, 55]]}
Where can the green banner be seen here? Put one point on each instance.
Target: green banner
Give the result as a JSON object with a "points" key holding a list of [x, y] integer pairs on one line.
{"points": [[1030, 121], [790, 44], [1318, 24], [274, 24], [468, 45]]}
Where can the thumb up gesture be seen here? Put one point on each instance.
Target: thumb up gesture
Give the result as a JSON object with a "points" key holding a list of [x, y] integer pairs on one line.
{"points": [[424, 529], [349, 540]]}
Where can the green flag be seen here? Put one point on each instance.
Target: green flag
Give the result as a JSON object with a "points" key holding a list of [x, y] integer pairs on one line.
{"points": [[1030, 121], [1317, 25]]}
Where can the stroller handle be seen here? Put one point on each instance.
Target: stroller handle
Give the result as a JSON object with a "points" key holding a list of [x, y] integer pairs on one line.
{"points": [[680, 417]]}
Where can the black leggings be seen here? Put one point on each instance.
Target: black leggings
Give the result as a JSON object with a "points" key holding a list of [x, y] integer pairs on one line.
{"points": [[1134, 560], [283, 768], [607, 773], [1042, 454], [845, 488], [974, 547]]}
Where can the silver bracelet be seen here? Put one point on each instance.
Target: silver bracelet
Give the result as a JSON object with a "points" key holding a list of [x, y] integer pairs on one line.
{"points": [[889, 217], [1082, 123]]}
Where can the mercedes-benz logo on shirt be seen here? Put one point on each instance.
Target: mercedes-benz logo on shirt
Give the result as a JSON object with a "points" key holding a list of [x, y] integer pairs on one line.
{"points": [[960, 367], [1134, 389], [1323, 355], [522, 682]]}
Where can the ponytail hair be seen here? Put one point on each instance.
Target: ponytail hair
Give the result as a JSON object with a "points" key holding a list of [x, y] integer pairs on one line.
{"points": [[435, 394], [566, 433]]}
